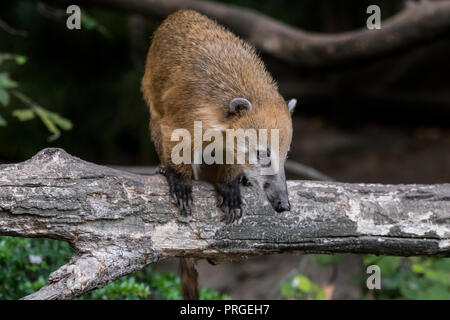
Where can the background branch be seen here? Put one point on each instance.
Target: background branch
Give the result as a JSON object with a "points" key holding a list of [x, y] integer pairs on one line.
{"points": [[119, 222], [12, 31], [410, 27]]}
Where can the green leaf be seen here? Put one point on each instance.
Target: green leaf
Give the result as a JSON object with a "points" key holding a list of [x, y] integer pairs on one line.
{"points": [[62, 122], [20, 60], [418, 268], [6, 81], [43, 115], [24, 114], [320, 295], [4, 97], [388, 264], [303, 283], [88, 22], [286, 289], [3, 122]]}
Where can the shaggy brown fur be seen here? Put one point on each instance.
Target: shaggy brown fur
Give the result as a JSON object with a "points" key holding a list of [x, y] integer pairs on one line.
{"points": [[194, 68]]}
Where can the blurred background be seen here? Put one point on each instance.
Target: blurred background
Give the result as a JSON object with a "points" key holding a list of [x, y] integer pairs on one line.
{"points": [[382, 116]]}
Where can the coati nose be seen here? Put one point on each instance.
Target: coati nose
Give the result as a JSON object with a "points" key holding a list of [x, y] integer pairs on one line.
{"points": [[282, 206]]}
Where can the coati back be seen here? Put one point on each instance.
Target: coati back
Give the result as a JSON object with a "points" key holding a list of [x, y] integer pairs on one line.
{"points": [[196, 70]]}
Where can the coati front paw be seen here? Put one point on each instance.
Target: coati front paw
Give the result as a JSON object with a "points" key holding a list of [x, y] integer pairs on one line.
{"points": [[180, 189], [230, 200]]}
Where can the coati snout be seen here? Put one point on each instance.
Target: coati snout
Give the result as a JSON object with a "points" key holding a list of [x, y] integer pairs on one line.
{"points": [[196, 70], [276, 191]]}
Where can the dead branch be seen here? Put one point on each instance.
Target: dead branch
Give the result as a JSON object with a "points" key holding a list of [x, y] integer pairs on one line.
{"points": [[12, 31], [411, 27], [119, 222]]}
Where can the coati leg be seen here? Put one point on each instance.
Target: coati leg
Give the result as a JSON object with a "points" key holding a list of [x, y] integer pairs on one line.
{"points": [[230, 199], [188, 275], [180, 188], [229, 193]]}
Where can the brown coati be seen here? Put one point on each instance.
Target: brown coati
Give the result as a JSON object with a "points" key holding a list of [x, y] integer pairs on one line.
{"points": [[196, 70]]}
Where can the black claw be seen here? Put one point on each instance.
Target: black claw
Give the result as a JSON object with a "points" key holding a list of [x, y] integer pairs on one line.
{"points": [[245, 181], [212, 262], [161, 170], [230, 200], [181, 190]]}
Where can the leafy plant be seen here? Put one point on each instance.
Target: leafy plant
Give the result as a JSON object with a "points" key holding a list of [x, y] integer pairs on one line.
{"points": [[26, 263], [91, 23], [53, 121], [411, 278], [301, 287], [124, 289], [327, 259]]}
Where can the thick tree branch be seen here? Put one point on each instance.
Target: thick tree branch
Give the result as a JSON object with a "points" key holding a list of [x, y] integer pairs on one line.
{"points": [[119, 222], [411, 27]]}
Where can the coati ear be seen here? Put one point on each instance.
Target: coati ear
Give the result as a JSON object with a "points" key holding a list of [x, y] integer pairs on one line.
{"points": [[291, 105], [239, 104]]}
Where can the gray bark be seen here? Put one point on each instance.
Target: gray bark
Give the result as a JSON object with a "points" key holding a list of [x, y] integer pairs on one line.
{"points": [[119, 222]]}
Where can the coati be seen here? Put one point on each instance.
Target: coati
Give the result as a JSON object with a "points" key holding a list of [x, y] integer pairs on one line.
{"points": [[198, 70]]}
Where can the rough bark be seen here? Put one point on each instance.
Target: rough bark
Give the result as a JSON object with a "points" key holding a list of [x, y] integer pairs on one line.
{"points": [[410, 27], [119, 222]]}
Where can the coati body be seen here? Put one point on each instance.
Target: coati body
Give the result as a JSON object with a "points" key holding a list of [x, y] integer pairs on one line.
{"points": [[198, 70]]}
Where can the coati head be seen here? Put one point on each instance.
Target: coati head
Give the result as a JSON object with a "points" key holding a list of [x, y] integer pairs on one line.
{"points": [[267, 167]]}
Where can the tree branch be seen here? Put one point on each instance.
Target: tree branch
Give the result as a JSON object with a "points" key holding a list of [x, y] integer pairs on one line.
{"points": [[411, 27], [12, 31], [119, 222]]}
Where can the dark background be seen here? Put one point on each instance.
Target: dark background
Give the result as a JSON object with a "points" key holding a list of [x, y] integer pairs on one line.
{"points": [[383, 119]]}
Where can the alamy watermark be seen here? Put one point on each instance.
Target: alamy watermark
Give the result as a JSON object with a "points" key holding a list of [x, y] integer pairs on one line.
{"points": [[240, 146], [374, 20], [74, 19], [374, 280]]}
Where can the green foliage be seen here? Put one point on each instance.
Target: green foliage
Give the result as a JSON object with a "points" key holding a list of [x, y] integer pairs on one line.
{"points": [[402, 278], [387, 264], [90, 23], [207, 294], [6, 83], [327, 259], [26, 263], [168, 285], [301, 287], [149, 284], [412, 278], [19, 59], [123, 289], [51, 120]]}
